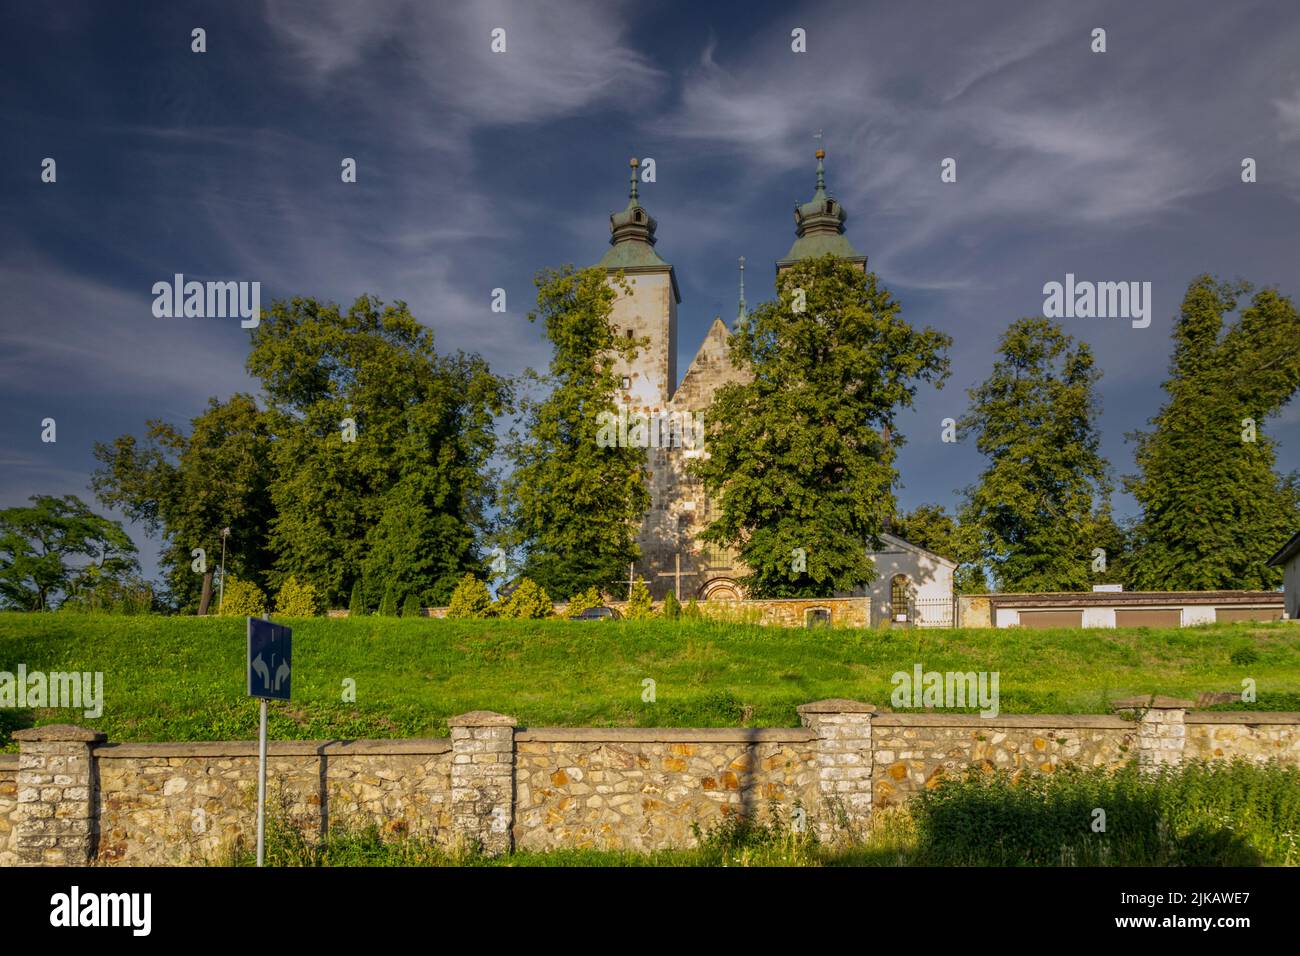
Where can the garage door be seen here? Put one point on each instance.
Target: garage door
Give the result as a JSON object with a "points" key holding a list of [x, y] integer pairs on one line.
{"points": [[1222, 614], [1071, 618], [1148, 617]]}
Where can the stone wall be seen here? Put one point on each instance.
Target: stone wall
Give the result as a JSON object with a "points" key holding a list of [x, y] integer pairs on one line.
{"points": [[644, 789], [72, 798], [8, 809], [170, 803], [1255, 736], [915, 751]]}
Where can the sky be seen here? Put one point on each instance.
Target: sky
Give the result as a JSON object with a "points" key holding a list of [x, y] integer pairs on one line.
{"points": [[476, 169]]}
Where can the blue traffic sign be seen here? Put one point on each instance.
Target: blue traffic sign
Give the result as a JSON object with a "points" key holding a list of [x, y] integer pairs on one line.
{"points": [[270, 659]]}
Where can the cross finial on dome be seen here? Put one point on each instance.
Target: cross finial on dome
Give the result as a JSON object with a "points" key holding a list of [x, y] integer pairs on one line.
{"points": [[634, 163]]}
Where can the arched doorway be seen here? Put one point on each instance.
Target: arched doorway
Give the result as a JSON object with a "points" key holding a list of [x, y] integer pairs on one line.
{"points": [[721, 589]]}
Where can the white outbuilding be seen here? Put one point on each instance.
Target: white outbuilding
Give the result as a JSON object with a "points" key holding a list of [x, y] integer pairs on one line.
{"points": [[1288, 559]]}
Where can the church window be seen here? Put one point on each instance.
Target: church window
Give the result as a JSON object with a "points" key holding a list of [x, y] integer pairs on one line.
{"points": [[627, 382], [637, 215], [629, 333], [830, 206]]}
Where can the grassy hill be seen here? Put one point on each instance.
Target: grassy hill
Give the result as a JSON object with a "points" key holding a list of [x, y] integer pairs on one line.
{"points": [[183, 678]]}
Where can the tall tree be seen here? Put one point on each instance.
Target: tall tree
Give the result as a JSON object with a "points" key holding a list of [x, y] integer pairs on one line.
{"points": [[187, 488], [572, 506], [797, 460], [1213, 506], [44, 547], [382, 449], [1033, 516]]}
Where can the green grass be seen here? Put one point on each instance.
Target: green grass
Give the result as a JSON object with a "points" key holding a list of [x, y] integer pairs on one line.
{"points": [[183, 678], [1216, 814]]}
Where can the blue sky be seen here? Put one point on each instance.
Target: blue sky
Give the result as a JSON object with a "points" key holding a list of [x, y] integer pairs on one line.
{"points": [[477, 169]]}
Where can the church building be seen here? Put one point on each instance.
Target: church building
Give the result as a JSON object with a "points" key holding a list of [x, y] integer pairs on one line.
{"points": [[672, 557]]}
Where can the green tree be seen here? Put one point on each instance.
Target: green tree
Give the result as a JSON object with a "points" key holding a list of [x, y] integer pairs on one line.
{"points": [[186, 489], [529, 600], [639, 605], [798, 458], [382, 451], [46, 548], [470, 599], [297, 599], [573, 506], [357, 603], [388, 603], [584, 600], [672, 607], [1032, 518], [411, 607], [1213, 508]]}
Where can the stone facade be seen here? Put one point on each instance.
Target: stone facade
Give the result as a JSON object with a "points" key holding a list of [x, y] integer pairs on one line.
{"points": [[71, 798]]}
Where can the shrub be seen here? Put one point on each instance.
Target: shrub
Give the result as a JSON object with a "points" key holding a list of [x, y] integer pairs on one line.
{"points": [[412, 607], [242, 599], [672, 607], [297, 600], [1201, 814], [639, 606], [388, 604], [94, 592], [357, 606], [584, 602], [1244, 655], [692, 611], [470, 599], [529, 600]]}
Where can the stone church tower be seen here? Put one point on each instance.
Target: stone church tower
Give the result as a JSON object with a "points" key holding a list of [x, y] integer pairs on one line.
{"points": [[672, 558]]}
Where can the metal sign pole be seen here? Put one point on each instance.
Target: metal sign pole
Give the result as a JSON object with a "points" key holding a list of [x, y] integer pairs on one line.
{"points": [[261, 788]]}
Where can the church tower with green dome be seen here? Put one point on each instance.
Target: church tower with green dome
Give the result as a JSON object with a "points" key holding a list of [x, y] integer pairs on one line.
{"points": [[648, 313], [672, 557], [819, 227]]}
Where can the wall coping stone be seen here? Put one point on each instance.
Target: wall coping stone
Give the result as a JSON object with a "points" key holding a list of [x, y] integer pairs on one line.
{"points": [[1152, 702], [274, 748], [836, 705], [1042, 721], [481, 718], [51, 733], [1243, 717], [654, 735]]}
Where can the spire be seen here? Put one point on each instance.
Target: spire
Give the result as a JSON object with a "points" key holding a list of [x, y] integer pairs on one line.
{"points": [[819, 225], [740, 312], [632, 237]]}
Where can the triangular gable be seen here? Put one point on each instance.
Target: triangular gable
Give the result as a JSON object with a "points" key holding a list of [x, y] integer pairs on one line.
{"points": [[903, 544], [712, 359]]}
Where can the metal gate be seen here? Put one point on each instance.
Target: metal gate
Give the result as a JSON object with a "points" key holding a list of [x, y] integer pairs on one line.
{"points": [[928, 612]]}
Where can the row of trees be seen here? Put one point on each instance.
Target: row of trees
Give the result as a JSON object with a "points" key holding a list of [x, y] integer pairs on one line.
{"points": [[1213, 507], [369, 470]]}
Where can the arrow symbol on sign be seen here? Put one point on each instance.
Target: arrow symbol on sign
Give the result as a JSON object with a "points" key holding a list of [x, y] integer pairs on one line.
{"points": [[259, 667], [281, 673]]}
